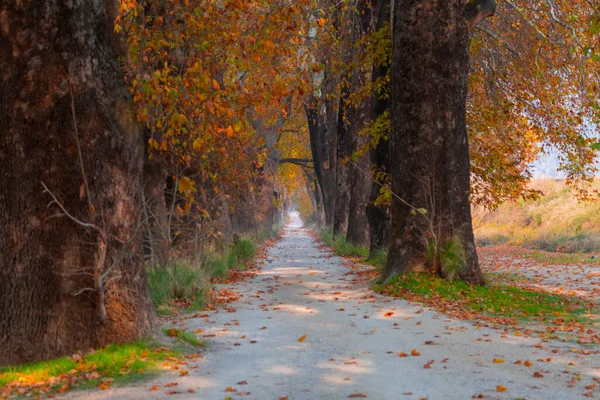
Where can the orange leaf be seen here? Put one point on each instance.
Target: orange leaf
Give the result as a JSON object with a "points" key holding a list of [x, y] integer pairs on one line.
{"points": [[498, 360], [388, 314], [528, 363], [415, 353], [230, 389], [357, 395], [500, 388], [302, 338], [403, 354]]}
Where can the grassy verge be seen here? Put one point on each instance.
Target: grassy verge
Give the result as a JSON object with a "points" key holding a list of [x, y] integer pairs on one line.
{"points": [[185, 286], [556, 222], [102, 368], [561, 258], [493, 301], [341, 247]]}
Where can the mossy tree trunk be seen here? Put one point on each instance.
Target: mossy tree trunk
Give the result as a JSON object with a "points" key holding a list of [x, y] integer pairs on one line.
{"points": [[67, 120]]}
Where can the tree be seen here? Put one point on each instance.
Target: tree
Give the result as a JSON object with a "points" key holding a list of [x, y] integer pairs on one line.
{"points": [[429, 151], [378, 212], [71, 155]]}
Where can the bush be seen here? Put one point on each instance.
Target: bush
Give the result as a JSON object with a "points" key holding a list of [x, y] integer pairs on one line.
{"points": [[245, 251], [181, 282]]}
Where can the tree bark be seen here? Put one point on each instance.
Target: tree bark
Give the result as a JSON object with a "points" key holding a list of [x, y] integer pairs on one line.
{"points": [[358, 117], [343, 152], [429, 149], [322, 145], [157, 230], [59, 55], [379, 215]]}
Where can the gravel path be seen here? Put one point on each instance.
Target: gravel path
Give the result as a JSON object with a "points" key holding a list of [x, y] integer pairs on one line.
{"points": [[351, 343]]}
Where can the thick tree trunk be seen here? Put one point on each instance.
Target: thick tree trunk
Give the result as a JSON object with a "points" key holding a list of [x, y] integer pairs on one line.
{"points": [[428, 142], [379, 215], [322, 145], [52, 301], [157, 230], [358, 117], [343, 152]]}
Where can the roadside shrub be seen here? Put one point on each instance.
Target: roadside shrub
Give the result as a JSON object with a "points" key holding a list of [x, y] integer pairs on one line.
{"points": [[180, 282], [245, 251]]}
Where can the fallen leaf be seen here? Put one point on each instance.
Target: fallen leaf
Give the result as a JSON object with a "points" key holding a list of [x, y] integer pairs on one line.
{"points": [[415, 353], [498, 360], [528, 363], [153, 388], [302, 338], [242, 383], [403, 354], [500, 388], [388, 314], [230, 389], [428, 364], [357, 395]]}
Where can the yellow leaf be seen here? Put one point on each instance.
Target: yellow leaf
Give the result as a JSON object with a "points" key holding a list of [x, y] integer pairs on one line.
{"points": [[498, 360], [186, 185]]}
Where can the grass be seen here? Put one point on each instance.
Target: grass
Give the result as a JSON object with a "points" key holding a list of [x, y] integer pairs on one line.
{"points": [[184, 337], [561, 258], [341, 247], [182, 285], [491, 300], [185, 285], [557, 222], [112, 364]]}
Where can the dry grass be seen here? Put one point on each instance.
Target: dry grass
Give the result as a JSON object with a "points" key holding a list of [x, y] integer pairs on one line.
{"points": [[555, 222]]}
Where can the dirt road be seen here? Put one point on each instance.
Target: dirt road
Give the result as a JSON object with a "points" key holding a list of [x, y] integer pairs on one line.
{"points": [[302, 329]]}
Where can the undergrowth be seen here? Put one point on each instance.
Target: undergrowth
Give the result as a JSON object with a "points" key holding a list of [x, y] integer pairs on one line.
{"points": [[341, 247], [185, 285]]}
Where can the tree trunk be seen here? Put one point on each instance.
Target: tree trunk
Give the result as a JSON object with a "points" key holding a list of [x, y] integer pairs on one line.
{"points": [[322, 145], [358, 117], [66, 286], [157, 230], [343, 152], [429, 150], [379, 215]]}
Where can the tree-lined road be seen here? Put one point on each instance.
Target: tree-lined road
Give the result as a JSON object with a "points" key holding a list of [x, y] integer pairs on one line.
{"points": [[353, 340]]}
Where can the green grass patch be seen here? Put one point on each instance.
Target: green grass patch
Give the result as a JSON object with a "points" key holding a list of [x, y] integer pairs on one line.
{"points": [[184, 285], [180, 285], [244, 250], [184, 337], [378, 259], [491, 300], [561, 258], [112, 364], [341, 247]]}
